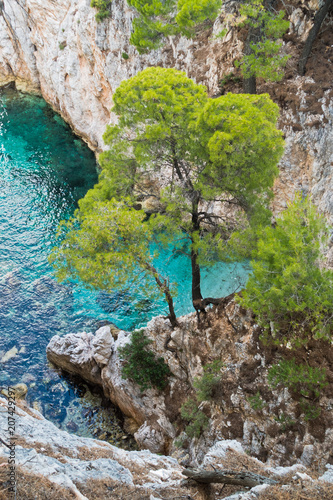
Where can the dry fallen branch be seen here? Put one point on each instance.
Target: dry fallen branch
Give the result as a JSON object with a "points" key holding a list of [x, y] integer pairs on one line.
{"points": [[247, 479]]}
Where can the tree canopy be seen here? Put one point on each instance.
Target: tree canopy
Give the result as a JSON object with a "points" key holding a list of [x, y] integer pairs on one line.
{"points": [[109, 248], [288, 290], [262, 53], [208, 163]]}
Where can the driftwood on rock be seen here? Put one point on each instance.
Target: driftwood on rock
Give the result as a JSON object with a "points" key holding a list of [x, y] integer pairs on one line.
{"points": [[245, 478]]}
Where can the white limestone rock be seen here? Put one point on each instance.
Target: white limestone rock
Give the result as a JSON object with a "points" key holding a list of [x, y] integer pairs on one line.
{"points": [[72, 461], [102, 344], [328, 475], [74, 353]]}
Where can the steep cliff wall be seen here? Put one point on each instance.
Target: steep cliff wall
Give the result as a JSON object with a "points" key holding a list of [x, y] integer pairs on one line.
{"points": [[58, 49]]}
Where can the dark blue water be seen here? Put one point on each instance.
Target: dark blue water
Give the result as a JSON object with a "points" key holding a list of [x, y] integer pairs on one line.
{"points": [[44, 170]]}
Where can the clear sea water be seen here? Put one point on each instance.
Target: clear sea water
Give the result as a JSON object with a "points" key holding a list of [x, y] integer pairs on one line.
{"points": [[44, 170]]}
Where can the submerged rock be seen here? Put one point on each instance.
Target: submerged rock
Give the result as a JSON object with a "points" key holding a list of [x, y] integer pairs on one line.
{"points": [[9, 354], [20, 391]]}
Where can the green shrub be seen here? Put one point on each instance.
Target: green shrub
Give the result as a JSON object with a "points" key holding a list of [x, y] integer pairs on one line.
{"points": [[287, 290], [285, 421], [197, 420], [125, 56], [205, 385], [141, 364], [102, 7], [302, 379], [311, 411], [62, 45], [256, 401]]}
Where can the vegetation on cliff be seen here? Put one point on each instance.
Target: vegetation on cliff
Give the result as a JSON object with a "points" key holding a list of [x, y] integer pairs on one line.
{"points": [[205, 153], [141, 364], [288, 290]]}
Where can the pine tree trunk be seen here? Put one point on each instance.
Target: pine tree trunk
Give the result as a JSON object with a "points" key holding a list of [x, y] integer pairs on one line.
{"points": [[318, 21], [249, 84], [196, 275], [172, 315]]}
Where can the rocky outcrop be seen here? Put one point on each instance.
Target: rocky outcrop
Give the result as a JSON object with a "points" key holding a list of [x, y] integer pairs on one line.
{"points": [[145, 412], [46, 456], [53, 464], [58, 49], [74, 353], [276, 429]]}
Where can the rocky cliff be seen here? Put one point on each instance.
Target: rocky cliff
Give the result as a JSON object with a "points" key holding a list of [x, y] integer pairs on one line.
{"points": [[275, 428], [53, 464], [58, 50]]}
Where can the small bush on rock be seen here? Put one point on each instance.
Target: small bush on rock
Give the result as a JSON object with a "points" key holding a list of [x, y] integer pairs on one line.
{"points": [[301, 379], [211, 377], [197, 420], [141, 364], [102, 7], [204, 386], [256, 402]]}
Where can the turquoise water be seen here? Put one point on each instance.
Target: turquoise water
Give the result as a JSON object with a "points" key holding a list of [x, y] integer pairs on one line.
{"points": [[44, 170]]}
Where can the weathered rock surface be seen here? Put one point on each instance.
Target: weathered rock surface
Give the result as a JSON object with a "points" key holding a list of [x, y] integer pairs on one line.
{"points": [[102, 345], [75, 463], [75, 354], [278, 432], [62, 465]]}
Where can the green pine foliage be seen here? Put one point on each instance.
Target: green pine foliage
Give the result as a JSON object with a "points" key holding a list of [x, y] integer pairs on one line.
{"points": [[290, 293], [215, 149], [109, 248], [223, 149], [103, 9], [266, 59], [158, 19], [303, 380], [300, 378], [256, 402], [141, 364], [206, 384], [196, 418]]}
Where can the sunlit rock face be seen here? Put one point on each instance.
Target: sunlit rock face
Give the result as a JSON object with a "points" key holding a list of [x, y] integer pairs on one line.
{"points": [[57, 48]]}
